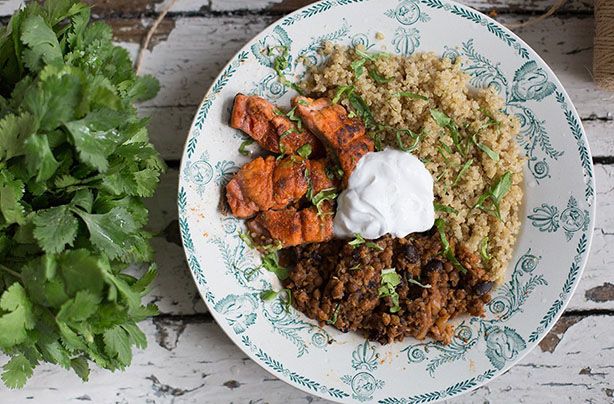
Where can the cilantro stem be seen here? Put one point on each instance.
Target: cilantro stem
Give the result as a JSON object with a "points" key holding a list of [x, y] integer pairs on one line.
{"points": [[10, 271]]}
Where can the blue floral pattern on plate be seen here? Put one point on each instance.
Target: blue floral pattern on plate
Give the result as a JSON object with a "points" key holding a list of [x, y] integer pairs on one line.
{"points": [[543, 272]]}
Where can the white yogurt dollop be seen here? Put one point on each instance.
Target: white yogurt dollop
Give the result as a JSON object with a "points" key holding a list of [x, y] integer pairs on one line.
{"points": [[389, 192]]}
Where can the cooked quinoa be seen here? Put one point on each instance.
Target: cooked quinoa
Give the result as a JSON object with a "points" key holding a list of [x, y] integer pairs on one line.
{"points": [[475, 112]]}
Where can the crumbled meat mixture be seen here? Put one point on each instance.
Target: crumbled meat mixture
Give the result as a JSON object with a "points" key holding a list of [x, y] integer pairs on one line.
{"points": [[338, 284]]}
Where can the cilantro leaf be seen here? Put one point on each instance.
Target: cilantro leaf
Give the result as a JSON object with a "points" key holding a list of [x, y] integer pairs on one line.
{"points": [[16, 371], [110, 232], [11, 192], [117, 344], [55, 227], [75, 161], [42, 43], [39, 158], [18, 317]]}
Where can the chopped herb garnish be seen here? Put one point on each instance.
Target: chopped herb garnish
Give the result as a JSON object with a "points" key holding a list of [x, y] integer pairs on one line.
{"points": [[377, 140], [309, 193], [484, 249], [270, 262], [340, 91], [402, 145], [491, 120], [361, 109], [409, 94], [494, 195], [328, 194], [333, 319], [244, 144], [302, 102], [462, 171], [268, 295], [446, 122], [288, 300], [444, 208], [378, 78], [389, 281], [355, 267], [489, 152], [447, 251], [304, 151], [358, 67], [280, 64], [359, 239], [372, 57], [247, 239], [415, 282], [291, 116]]}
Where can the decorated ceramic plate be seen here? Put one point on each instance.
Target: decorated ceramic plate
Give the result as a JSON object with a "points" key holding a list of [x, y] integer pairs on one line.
{"points": [[551, 250]]}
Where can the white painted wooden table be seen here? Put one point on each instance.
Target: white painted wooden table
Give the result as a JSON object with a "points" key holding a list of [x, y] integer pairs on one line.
{"points": [[190, 360]]}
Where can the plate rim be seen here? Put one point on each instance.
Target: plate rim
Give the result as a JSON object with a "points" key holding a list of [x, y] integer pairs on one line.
{"points": [[589, 232]]}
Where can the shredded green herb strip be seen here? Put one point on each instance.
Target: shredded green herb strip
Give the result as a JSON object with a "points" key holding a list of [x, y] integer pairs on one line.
{"points": [[359, 239], [447, 251], [389, 281], [247, 239], [268, 295], [409, 94], [288, 299], [377, 140], [496, 192], [401, 144], [270, 262], [462, 171], [362, 109], [444, 208], [415, 282], [333, 319], [446, 122], [341, 90], [484, 249], [304, 151], [280, 64], [378, 78], [487, 150], [358, 67], [328, 194], [244, 144]]}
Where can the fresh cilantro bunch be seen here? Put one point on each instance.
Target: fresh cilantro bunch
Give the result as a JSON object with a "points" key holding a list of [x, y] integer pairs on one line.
{"points": [[75, 163]]}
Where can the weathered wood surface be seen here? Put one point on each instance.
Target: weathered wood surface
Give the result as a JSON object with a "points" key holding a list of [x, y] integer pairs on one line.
{"points": [[135, 7], [190, 359]]}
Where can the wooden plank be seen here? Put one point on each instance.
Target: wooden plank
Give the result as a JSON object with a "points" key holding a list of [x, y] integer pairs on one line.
{"points": [[175, 292], [8, 7], [196, 49], [194, 362], [133, 8]]}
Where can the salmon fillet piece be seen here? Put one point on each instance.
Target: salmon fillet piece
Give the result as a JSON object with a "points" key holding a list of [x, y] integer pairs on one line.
{"points": [[293, 227], [330, 122], [269, 183], [270, 127]]}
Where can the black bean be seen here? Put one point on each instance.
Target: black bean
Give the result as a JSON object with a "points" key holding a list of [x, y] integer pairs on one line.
{"points": [[433, 265], [410, 253], [483, 287]]}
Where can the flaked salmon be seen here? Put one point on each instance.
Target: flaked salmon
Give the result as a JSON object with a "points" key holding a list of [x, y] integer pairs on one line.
{"points": [[293, 227], [270, 183], [270, 127], [330, 122]]}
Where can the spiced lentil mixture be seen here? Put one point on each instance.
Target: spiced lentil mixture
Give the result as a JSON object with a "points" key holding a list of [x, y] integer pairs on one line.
{"points": [[391, 288]]}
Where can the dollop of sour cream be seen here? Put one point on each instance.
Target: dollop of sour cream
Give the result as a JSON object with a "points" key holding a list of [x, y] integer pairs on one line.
{"points": [[389, 192]]}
